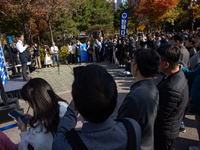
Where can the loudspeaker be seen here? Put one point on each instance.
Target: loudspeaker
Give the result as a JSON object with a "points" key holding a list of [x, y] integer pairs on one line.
{"points": [[96, 35]]}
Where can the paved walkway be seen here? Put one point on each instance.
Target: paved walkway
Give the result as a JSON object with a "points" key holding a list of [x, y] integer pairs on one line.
{"points": [[61, 81]]}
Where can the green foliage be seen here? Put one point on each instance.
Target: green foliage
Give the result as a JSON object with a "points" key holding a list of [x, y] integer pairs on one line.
{"points": [[65, 53], [64, 24], [11, 25], [41, 54], [62, 57], [93, 15]]}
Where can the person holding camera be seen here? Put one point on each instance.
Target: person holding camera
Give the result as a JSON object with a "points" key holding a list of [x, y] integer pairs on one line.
{"points": [[37, 56]]}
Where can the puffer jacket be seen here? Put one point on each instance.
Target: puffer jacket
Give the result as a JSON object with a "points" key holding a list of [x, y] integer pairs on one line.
{"points": [[173, 97]]}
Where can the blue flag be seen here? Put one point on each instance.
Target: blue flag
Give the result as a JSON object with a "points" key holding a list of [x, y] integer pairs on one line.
{"points": [[123, 22]]}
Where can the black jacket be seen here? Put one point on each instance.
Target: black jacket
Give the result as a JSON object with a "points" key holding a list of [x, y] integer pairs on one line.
{"points": [[103, 46], [36, 51], [185, 56], [90, 49], [141, 104], [173, 97], [111, 46], [191, 50], [151, 44]]}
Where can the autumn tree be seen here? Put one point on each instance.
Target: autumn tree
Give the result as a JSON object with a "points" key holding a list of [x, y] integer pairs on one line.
{"points": [[171, 17], [12, 8], [155, 9], [46, 10]]}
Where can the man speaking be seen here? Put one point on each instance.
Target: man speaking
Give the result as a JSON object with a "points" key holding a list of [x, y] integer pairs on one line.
{"points": [[24, 55]]}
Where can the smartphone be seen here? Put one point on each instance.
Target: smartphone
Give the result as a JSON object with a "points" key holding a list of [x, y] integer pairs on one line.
{"points": [[77, 70], [14, 114]]}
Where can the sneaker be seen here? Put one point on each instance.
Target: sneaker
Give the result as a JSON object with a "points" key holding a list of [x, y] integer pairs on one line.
{"points": [[182, 129], [194, 148]]}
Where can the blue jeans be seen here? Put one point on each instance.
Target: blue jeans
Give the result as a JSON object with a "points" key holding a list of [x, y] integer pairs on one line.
{"points": [[55, 55]]}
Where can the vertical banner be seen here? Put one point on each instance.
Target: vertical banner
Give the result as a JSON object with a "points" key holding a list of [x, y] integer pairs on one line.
{"points": [[123, 22], [3, 70], [10, 38]]}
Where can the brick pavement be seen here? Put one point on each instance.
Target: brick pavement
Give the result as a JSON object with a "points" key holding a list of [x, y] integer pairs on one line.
{"points": [[61, 83]]}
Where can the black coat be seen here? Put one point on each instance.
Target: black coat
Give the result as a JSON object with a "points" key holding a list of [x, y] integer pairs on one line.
{"points": [[90, 49], [103, 46], [141, 104], [192, 51], [78, 49], [185, 56], [151, 44], [173, 97], [36, 51], [111, 46], [97, 48], [14, 53]]}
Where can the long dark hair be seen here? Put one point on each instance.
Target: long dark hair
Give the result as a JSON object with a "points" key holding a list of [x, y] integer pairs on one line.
{"points": [[44, 102]]}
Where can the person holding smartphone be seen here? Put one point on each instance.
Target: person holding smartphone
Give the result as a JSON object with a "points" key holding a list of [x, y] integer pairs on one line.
{"points": [[48, 108]]}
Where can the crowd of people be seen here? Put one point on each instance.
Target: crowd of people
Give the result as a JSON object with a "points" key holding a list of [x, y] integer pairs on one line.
{"points": [[149, 118]]}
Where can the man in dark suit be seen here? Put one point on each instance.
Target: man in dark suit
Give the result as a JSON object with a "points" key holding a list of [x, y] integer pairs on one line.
{"points": [[142, 101], [111, 47], [89, 49], [102, 49], [185, 55], [24, 55], [97, 46]]}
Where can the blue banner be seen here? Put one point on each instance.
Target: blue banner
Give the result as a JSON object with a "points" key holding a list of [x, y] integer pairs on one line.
{"points": [[123, 22], [10, 38], [3, 70]]}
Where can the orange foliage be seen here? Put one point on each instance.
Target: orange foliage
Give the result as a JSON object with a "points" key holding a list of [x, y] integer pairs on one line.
{"points": [[155, 9], [38, 27]]}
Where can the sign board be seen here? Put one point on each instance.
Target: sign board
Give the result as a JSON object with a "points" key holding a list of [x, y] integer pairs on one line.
{"points": [[123, 22], [3, 70]]}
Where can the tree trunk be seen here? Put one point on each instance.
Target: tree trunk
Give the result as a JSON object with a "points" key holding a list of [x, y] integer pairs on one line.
{"points": [[26, 33], [151, 26], [50, 30], [38, 40], [135, 29]]}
